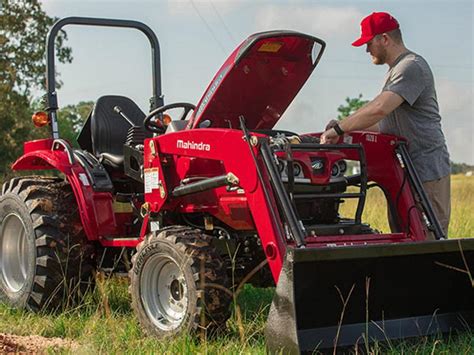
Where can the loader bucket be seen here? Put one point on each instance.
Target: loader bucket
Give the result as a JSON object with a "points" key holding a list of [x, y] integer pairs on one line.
{"points": [[398, 291]]}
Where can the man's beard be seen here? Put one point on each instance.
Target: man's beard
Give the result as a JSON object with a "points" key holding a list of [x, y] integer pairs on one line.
{"points": [[380, 58]]}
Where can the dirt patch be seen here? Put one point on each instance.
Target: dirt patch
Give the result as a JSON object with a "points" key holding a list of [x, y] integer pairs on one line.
{"points": [[33, 344]]}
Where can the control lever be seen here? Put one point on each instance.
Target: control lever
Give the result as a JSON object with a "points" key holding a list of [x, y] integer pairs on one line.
{"points": [[118, 110]]}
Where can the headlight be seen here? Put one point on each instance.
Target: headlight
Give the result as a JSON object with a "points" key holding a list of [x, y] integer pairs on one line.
{"points": [[339, 168], [297, 170], [335, 170], [342, 166], [281, 165]]}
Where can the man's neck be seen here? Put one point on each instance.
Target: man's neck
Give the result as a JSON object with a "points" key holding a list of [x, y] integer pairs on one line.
{"points": [[393, 55]]}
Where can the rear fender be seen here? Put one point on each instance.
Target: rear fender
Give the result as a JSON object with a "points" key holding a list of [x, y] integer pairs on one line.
{"points": [[96, 208]]}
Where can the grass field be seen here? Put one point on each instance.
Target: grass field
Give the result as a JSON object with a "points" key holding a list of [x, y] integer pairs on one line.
{"points": [[462, 211], [106, 324]]}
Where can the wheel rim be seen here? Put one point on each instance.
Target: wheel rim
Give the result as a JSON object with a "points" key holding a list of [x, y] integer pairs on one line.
{"points": [[163, 291], [13, 252]]}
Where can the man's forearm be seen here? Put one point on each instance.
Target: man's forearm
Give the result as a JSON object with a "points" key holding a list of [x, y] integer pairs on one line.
{"points": [[374, 128], [368, 116]]}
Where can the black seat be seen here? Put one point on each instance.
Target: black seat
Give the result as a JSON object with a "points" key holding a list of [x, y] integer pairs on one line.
{"points": [[105, 131]]}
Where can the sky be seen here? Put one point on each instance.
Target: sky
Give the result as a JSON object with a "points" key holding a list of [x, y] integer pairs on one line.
{"points": [[197, 36]]}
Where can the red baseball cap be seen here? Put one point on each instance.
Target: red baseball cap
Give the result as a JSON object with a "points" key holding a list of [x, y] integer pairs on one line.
{"points": [[375, 24]]}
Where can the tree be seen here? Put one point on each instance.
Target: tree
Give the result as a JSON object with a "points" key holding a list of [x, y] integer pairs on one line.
{"points": [[71, 120], [460, 168], [23, 29], [351, 106], [23, 37]]}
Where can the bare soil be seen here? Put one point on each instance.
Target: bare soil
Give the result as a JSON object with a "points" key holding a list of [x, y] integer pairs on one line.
{"points": [[32, 344]]}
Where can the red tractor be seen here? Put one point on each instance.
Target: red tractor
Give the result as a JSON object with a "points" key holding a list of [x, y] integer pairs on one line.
{"points": [[206, 203]]}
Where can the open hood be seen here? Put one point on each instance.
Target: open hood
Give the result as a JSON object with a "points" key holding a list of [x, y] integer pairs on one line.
{"points": [[259, 80]]}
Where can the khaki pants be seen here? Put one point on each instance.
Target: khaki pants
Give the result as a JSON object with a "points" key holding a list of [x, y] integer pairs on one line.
{"points": [[439, 193]]}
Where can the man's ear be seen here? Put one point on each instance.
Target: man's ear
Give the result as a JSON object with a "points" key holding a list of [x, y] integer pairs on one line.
{"points": [[385, 38]]}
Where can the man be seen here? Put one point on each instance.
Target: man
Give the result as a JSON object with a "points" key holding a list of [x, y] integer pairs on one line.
{"points": [[407, 107]]}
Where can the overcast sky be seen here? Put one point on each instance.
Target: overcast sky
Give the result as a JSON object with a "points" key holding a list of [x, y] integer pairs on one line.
{"points": [[197, 36]]}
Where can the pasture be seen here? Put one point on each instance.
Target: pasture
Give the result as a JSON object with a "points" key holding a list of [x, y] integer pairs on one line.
{"points": [[106, 324]]}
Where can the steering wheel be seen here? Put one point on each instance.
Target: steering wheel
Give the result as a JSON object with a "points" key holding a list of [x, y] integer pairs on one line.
{"points": [[157, 126]]}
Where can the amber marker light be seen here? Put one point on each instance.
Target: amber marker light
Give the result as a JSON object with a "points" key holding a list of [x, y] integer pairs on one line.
{"points": [[270, 47], [167, 119], [40, 119]]}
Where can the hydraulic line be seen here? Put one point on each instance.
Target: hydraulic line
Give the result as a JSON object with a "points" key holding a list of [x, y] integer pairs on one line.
{"points": [[288, 210], [224, 180], [259, 173]]}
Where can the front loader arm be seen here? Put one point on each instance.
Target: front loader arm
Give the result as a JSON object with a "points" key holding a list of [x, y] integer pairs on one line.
{"points": [[385, 168], [222, 145]]}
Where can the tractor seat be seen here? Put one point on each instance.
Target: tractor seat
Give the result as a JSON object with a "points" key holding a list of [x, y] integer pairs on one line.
{"points": [[105, 131]]}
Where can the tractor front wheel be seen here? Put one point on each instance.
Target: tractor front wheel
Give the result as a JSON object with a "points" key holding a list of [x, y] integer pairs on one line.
{"points": [[179, 283]]}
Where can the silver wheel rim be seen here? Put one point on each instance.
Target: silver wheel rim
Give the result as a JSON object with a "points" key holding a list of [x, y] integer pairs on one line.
{"points": [[163, 292], [13, 252]]}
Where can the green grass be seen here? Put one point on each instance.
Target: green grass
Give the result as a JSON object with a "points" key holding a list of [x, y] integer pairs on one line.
{"points": [[106, 324], [462, 212], [115, 330]]}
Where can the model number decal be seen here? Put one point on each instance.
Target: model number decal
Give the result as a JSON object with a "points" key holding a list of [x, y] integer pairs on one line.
{"points": [[371, 138], [212, 89]]}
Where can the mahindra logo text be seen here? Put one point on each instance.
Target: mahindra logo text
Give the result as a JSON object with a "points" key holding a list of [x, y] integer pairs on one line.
{"points": [[193, 145]]}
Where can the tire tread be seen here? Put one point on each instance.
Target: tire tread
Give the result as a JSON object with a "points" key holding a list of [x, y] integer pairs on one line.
{"points": [[193, 243], [64, 258]]}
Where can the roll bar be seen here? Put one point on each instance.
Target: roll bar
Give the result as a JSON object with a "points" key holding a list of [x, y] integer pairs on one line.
{"points": [[51, 96]]}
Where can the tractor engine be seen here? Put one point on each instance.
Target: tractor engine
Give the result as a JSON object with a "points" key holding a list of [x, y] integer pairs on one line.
{"points": [[306, 176]]}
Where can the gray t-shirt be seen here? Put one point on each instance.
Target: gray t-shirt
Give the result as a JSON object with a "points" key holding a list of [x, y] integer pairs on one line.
{"points": [[417, 118]]}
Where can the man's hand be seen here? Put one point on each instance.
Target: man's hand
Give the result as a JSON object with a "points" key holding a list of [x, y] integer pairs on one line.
{"points": [[329, 137], [331, 124]]}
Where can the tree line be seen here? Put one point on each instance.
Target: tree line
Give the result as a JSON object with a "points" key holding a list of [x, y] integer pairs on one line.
{"points": [[23, 31]]}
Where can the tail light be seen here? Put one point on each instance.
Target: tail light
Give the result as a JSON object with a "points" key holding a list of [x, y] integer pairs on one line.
{"points": [[40, 119]]}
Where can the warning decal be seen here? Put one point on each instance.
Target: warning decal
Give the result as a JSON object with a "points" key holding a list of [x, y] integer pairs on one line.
{"points": [[151, 179]]}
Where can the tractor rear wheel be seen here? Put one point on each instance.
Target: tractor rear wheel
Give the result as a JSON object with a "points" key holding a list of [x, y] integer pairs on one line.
{"points": [[179, 283], [45, 259]]}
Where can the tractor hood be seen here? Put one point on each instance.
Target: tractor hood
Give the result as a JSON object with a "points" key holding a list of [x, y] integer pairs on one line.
{"points": [[258, 81]]}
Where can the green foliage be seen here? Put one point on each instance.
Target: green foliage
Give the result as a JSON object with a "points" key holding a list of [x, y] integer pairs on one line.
{"points": [[23, 29], [118, 332], [351, 106], [71, 119]]}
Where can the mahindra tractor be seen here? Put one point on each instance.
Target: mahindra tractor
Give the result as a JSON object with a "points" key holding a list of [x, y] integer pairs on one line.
{"points": [[195, 206]]}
